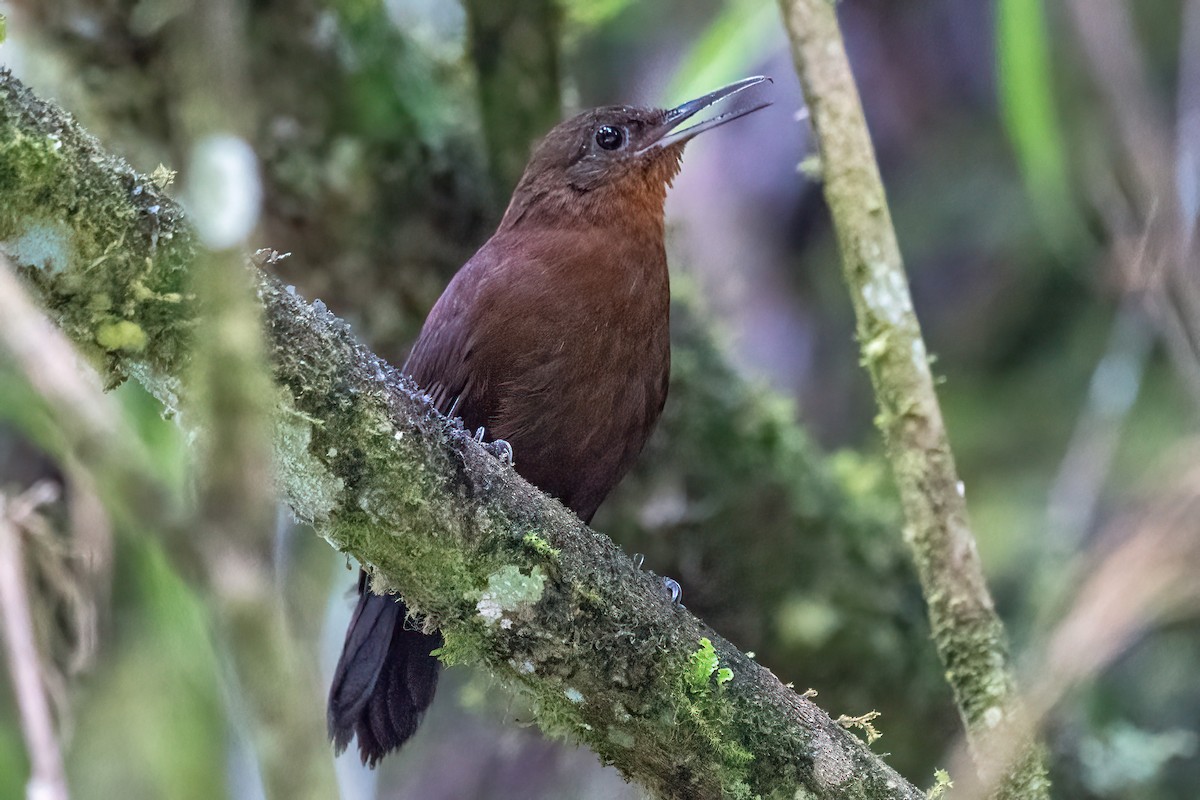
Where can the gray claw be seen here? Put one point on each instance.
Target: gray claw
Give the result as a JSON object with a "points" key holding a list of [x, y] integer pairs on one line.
{"points": [[638, 560], [675, 590], [501, 450]]}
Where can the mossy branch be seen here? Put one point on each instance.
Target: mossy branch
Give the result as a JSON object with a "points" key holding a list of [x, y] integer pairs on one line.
{"points": [[968, 633], [516, 583]]}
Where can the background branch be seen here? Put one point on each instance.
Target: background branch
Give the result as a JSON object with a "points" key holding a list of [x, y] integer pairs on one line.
{"points": [[1141, 576], [514, 45], [48, 778], [967, 631]]}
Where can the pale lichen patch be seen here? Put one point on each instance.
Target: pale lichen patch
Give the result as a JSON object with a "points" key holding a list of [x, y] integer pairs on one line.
{"points": [[313, 490], [510, 594], [44, 244], [621, 738], [886, 295]]}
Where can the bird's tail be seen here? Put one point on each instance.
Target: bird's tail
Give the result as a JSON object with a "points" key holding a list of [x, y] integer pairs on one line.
{"points": [[384, 680]]}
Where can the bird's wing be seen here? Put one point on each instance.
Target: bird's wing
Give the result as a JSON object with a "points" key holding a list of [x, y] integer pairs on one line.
{"points": [[497, 332], [443, 361]]}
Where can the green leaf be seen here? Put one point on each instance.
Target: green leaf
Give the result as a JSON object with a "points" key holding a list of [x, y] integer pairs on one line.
{"points": [[941, 784], [703, 665], [736, 39], [1030, 112], [590, 13]]}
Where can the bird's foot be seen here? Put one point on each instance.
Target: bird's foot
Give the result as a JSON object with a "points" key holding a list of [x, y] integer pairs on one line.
{"points": [[674, 590], [501, 450], [497, 447]]}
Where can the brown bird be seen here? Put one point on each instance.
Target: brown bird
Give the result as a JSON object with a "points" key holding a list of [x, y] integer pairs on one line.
{"points": [[554, 338]]}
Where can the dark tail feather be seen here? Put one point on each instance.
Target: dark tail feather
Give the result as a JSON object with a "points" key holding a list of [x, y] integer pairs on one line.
{"points": [[384, 680]]}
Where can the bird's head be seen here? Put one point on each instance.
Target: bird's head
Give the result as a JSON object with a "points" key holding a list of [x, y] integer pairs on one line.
{"points": [[618, 161]]}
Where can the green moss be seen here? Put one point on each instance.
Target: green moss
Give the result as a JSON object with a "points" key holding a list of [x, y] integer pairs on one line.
{"points": [[540, 546], [941, 785], [76, 221], [459, 646], [703, 666], [121, 335], [702, 713], [559, 717]]}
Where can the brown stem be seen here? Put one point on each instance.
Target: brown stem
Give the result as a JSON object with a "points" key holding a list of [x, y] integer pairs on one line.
{"points": [[967, 631], [47, 779]]}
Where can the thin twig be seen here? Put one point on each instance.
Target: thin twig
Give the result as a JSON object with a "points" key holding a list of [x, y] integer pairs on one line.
{"points": [[1112, 392], [967, 631], [1143, 134], [47, 779], [1141, 575]]}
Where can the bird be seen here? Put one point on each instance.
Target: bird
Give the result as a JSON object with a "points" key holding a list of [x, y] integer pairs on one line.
{"points": [[553, 338]]}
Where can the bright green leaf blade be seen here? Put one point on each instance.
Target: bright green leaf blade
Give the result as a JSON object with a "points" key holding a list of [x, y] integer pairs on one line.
{"points": [[590, 13], [738, 37], [1029, 108]]}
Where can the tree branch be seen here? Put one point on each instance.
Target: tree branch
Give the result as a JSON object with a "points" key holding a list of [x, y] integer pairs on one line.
{"points": [[514, 580], [967, 631]]}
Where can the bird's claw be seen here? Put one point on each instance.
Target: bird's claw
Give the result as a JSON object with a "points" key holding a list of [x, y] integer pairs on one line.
{"points": [[638, 560], [501, 450], [497, 447], [674, 590]]}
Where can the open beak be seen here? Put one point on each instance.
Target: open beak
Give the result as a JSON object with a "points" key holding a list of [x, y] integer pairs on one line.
{"points": [[740, 103]]}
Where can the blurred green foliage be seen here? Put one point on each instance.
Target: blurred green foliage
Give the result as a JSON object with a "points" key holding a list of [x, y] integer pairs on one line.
{"points": [[727, 50], [153, 723], [1031, 112]]}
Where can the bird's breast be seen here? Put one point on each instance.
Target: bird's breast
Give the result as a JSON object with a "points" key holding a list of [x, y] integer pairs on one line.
{"points": [[584, 378]]}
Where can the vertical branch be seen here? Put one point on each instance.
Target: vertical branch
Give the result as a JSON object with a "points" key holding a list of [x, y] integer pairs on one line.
{"points": [[514, 47], [230, 391], [967, 631], [47, 779]]}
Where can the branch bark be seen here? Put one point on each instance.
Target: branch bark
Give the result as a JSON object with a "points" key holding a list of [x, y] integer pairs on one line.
{"points": [[967, 631], [516, 582]]}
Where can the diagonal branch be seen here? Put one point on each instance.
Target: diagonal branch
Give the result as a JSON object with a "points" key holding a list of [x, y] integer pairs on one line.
{"points": [[516, 582], [967, 631]]}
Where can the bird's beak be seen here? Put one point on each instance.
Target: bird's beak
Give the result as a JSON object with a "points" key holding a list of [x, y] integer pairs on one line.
{"points": [[742, 103]]}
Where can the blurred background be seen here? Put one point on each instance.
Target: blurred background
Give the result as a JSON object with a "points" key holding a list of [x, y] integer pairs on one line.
{"points": [[1043, 165]]}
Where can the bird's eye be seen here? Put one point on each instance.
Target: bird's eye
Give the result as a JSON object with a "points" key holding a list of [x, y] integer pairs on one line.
{"points": [[610, 138]]}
